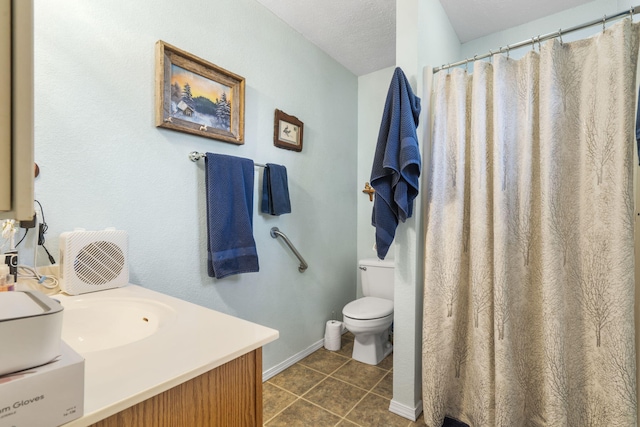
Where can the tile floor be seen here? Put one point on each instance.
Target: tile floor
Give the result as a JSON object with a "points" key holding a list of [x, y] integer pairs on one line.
{"points": [[330, 389]]}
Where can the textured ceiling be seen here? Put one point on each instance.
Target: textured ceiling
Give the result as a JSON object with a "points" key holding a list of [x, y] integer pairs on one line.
{"points": [[361, 34]]}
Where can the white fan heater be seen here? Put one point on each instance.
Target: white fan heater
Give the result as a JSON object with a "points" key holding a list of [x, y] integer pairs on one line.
{"points": [[93, 260]]}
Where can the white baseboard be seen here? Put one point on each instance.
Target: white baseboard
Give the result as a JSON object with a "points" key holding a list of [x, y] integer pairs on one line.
{"points": [[272, 372], [406, 411]]}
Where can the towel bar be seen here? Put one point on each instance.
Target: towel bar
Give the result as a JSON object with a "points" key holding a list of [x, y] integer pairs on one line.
{"points": [[194, 156], [275, 233]]}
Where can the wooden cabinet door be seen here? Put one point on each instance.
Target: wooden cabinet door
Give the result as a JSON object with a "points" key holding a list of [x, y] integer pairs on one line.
{"points": [[227, 396], [16, 151], [5, 105]]}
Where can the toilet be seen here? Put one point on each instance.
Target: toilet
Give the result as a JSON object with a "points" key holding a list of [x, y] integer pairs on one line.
{"points": [[370, 317]]}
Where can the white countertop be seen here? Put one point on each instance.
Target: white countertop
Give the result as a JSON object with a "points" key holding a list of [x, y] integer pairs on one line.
{"points": [[195, 341]]}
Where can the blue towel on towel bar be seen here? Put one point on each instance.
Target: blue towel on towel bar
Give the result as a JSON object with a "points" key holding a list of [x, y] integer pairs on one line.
{"points": [[396, 166], [275, 190], [230, 245]]}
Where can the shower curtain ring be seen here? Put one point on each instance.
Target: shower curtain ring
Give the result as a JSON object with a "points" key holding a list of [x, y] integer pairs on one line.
{"points": [[560, 35], [508, 51], [533, 43], [539, 45], [604, 21], [466, 65]]}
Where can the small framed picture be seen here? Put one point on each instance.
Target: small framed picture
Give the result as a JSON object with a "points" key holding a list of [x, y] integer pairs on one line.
{"points": [[198, 97], [287, 131]]}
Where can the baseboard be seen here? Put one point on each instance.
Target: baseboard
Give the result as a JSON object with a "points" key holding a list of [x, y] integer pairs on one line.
{"points": [[272, 372], [406, 411]]}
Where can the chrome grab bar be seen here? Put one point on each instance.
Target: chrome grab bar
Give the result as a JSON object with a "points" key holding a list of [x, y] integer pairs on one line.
{"points": [[275, 233]]}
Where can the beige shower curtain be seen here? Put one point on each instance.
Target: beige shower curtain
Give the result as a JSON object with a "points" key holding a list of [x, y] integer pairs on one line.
{"points": [[529, 287]]}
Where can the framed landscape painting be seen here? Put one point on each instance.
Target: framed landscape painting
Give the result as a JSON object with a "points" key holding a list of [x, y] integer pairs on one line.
{"points": [[198, 97]]}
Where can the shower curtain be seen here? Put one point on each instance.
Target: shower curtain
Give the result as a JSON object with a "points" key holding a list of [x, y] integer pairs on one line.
{"points": [[529, 268]]}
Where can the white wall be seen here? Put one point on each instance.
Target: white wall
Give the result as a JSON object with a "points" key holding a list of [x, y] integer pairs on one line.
{"points": [[424, 36], [104, 163], [418, 22], [372, 94]]}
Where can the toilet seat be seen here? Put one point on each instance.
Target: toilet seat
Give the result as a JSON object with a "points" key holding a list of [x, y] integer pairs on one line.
{"points": [[368, 308]]}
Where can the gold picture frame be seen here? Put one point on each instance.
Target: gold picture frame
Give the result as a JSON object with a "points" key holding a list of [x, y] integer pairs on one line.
{"points": [[198, 97], [287, 131]]}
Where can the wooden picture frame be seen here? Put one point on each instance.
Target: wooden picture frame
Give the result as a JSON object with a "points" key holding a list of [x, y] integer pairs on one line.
{"points": [[287, 131], [198, 97]]}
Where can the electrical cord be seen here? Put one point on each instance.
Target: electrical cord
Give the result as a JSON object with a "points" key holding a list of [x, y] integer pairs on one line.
{"points": [[41, 232], [27, 272], [26, 231]]}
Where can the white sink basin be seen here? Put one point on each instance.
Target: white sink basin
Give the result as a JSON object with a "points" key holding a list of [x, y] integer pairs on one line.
{"points": [[95, 324]]}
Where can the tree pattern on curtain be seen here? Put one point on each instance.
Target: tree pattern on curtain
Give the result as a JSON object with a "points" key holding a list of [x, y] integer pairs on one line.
{"points": [[529, 268]]}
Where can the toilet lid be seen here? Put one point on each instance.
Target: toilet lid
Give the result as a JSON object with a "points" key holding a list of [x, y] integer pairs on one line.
{"points": [[368, 308]]}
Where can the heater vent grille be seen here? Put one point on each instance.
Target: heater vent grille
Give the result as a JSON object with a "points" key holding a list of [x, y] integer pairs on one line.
{"points": [[93, 260], [99, 262]]}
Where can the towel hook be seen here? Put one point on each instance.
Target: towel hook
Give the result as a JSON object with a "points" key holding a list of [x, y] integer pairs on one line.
{"points": [[368, 189]]}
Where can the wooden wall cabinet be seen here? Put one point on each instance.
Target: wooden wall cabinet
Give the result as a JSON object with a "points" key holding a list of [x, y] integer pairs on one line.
{"points": [[229, 395], [16, 111]]}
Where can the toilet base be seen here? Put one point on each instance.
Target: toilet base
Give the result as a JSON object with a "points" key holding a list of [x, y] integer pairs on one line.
{"points": [[371, 348]]}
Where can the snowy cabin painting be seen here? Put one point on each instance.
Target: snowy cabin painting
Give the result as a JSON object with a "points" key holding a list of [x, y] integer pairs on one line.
{"points": [[199, 100]]}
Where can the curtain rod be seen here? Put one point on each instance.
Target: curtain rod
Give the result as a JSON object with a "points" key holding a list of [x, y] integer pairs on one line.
{"points": [[542, 38]]}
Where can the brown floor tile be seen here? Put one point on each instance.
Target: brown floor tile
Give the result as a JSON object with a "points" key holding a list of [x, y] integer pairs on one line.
{"points": [[346, 349], [274, 400], [385, 387], [347, 336], [297, 379], [326, 386], [335, 395], [386, 363], [360, 374], [324, 361], [347, 423], [374, 411], [304, 414], [419, 422]]}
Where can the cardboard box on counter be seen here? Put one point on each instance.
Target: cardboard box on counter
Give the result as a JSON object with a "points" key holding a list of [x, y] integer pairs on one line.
{"points": [[46, 396]]}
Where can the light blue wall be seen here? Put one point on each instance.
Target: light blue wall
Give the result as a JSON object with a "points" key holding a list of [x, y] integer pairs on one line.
{"points": [[104, 163]]}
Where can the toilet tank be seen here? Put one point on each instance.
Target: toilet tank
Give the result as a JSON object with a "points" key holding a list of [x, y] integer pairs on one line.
{"points": [[376, 277]]}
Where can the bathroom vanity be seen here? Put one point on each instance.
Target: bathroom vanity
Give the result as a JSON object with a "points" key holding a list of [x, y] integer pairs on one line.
{"points": [[164, 361]]}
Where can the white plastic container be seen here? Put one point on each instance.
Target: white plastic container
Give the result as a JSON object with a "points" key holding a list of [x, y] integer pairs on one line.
{"points": [[30, 330]]}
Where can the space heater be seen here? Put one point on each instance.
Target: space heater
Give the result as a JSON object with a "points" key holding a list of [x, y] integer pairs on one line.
{"points": [[93, 260]]}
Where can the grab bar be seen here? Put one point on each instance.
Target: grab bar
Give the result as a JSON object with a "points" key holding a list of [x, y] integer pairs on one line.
{"points": [[275, 233]]}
